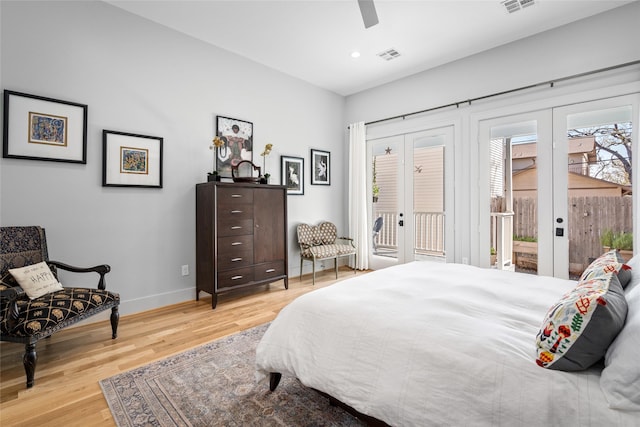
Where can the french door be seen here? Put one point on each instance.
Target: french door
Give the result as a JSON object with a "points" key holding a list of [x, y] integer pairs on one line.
{"points": [[592, 159], [410, 197], [557, 180]]}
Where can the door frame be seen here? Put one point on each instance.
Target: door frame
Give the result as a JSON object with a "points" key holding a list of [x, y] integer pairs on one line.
{"points": [[479, 208], [560, 169], [405, 190], [543, 120]]}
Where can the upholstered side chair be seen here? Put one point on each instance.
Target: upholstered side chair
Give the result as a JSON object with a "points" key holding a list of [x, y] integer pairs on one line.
{"points": [[27, 320], [320, 242]]}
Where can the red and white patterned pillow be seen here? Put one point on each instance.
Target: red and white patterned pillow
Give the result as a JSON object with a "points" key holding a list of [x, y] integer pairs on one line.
{"points": [[579, 328]]}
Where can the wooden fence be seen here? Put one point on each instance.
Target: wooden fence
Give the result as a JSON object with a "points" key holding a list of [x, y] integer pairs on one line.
{"points": [[588, 218]]}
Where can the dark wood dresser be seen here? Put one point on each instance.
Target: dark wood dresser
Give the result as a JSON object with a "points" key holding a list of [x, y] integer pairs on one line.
{"points": [[241, 236]]}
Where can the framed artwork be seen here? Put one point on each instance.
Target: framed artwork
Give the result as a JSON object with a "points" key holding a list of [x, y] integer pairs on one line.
{"points": [[292, 174], [237, 136], [130, 160], [320, 167], [39, 128]]}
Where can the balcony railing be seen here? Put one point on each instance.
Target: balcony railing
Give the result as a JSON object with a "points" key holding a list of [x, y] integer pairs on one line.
{"points": [[429, 232], [502, 239]]}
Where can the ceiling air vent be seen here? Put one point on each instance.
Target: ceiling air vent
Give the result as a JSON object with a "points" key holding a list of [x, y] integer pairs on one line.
{"points": [[389, 54], [515, 5]]}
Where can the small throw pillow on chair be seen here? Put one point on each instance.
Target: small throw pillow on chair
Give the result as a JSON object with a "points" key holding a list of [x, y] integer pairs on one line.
{"points": [[36, 279]]}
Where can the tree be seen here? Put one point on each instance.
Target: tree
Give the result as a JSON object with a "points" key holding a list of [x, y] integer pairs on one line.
{"points": [[613, 151]]}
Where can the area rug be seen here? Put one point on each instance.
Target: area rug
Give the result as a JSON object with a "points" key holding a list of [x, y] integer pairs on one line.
{"points": [[214, 385]]}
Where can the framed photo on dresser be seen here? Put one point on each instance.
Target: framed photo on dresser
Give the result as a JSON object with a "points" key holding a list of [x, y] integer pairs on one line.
{"points": [[237, 138]]}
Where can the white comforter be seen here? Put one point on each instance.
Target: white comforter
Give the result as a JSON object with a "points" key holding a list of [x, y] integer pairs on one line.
{"points": [[434, 344]]}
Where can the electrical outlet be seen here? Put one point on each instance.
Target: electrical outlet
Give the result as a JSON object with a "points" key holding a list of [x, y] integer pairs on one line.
{"points": [[185, 270], [465, 260]]}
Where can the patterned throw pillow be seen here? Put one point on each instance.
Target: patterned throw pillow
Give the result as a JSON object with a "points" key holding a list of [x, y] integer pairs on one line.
{"points": [[606, 263], [36, 279], [579, 328], [624, 274]]}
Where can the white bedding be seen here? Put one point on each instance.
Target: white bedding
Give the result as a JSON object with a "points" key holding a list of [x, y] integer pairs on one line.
{"points": [[435, 344]]}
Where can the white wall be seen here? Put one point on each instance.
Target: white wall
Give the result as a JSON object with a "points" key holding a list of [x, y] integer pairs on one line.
{"points": [[600, 41], [140, 77]]}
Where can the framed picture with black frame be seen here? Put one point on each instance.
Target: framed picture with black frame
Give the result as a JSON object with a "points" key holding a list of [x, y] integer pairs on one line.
{"points": [[131, 160], [320, 167], [40, 128], [237, 137], [292, 174]]}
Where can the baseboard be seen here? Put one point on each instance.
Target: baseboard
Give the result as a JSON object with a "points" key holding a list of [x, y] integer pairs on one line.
{"points": [[139, 305]]}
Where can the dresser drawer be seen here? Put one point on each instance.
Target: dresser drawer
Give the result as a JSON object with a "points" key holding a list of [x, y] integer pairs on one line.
{"points": [[234, 227], [231, 196], [235, 277], [235, 211], [269, 270], [234, 244], [235, 258]]}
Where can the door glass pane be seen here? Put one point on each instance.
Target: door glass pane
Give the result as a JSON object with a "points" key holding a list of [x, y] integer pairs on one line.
{"points": [[513, 181], [385, 198], [599, 190], [428, 198]]}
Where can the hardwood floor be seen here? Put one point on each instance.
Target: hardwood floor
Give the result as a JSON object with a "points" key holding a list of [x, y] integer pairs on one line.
{"points": [[72, 361]]}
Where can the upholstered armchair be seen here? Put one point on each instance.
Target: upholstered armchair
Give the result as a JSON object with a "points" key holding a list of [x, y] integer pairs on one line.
{"points": [[31, 312], [320, 242]]}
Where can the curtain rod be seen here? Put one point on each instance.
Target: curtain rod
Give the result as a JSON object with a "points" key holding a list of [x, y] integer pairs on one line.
{"points": [[550, 83]]}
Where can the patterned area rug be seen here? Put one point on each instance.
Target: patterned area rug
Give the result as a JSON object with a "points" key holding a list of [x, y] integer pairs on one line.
{"points": [[214, 385]]}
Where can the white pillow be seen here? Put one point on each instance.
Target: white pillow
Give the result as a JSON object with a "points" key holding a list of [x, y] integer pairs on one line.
{"points": [[36, 279], [620, 380]]}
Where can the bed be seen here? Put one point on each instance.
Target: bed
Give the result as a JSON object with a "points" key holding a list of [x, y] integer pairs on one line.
{"points": [[449, 345]]}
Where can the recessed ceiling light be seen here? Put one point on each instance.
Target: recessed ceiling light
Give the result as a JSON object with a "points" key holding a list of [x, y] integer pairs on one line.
{"points": [[355, 54]]}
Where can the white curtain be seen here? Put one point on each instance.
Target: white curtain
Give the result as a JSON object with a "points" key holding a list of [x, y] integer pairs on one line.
{"points": [[358, 228]]}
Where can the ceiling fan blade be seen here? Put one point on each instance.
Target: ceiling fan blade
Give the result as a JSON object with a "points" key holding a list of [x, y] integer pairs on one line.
{"points": [[368, 11]]}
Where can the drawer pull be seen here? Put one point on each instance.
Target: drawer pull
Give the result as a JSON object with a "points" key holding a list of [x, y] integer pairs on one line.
{"points": [[236, 277], [236, 259], [236, 243], [236, 211], [236, 227], [236, 195], [271, 270]]}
